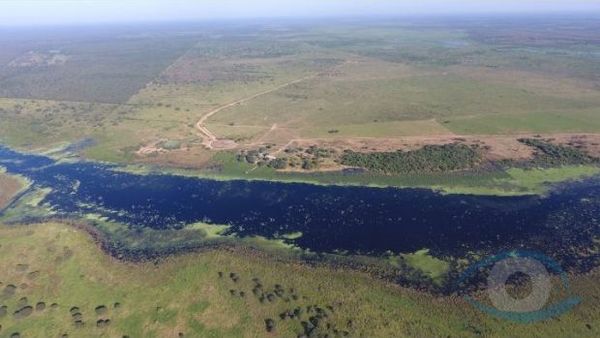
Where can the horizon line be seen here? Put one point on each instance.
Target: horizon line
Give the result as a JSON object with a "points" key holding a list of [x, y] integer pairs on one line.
{"points": [[474, 15]]}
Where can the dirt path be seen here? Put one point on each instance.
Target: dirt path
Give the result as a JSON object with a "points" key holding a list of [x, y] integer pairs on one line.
{"points": [[209, 138], [150, 148], [284, 147]]}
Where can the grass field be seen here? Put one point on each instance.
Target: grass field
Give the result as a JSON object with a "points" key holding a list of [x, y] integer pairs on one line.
{"points": [[60, 277], [383, 95], [550, 121], [363, 84], [42, 124]]}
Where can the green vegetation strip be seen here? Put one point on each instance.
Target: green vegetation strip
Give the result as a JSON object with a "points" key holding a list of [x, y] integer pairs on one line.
{"points": [[56, 282], [431, 158]]}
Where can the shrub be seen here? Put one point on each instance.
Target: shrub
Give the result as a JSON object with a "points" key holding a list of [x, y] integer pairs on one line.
{"points": [[431, 158], [279, 163], [552, 155]]}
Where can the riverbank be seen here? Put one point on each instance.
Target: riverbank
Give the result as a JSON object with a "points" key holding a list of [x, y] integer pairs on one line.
{"points": [[491, 182], [11, 188], [74, 288], [356, 221], [517, 179]]}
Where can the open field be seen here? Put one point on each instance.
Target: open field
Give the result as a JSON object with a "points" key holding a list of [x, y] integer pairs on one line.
{"points": [[361, 86], [316, 107], [42, 124], [59, 283]]}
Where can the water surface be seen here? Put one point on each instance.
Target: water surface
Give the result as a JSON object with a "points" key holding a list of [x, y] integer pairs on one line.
{"points": [[331, 218]]}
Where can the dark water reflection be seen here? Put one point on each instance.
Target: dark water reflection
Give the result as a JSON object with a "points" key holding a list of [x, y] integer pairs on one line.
{"points": [[352, 219]]}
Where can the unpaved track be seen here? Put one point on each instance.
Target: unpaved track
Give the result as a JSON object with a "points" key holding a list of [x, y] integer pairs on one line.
{"points": [[151, 148], [209, 138]]}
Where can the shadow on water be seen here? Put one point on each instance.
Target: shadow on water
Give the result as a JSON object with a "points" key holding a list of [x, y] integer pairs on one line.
{"points": [[357, 220]]}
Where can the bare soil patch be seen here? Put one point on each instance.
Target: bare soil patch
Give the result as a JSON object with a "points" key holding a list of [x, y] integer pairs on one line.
{"points": [[9, 187], [223, 144]]}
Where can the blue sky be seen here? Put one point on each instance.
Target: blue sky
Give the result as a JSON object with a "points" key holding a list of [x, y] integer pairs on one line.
{"points": [[26, 12]]}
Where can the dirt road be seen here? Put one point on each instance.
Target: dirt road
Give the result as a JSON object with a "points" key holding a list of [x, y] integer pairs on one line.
{"points": [[209, 138]]}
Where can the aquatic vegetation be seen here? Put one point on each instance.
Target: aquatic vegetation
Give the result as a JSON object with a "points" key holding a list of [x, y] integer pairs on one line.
{"points": [[146, 216], [435, 269], [539, 180]]}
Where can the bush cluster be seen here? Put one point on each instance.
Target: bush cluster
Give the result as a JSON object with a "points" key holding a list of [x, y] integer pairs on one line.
{"points": [[552, 155], [431, 158]]}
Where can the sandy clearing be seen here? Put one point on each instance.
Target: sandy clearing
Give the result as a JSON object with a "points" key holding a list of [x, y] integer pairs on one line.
{"points": [[9, 188]]}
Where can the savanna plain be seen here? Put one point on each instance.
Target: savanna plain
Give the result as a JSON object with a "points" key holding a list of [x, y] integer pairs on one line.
{"points": [[491, 107]]}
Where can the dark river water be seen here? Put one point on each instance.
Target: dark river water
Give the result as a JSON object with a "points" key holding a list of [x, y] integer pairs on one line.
{"points": [[353, 219]]}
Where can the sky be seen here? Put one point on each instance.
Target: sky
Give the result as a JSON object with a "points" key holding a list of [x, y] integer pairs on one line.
{"points": [[42, 12]]}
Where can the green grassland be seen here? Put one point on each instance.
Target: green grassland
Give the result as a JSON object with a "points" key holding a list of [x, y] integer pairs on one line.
{"points": [[54, 276], [397, 74], [43, 124], [368, 74], [539, 122], [316, 106], [382, 80]]}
